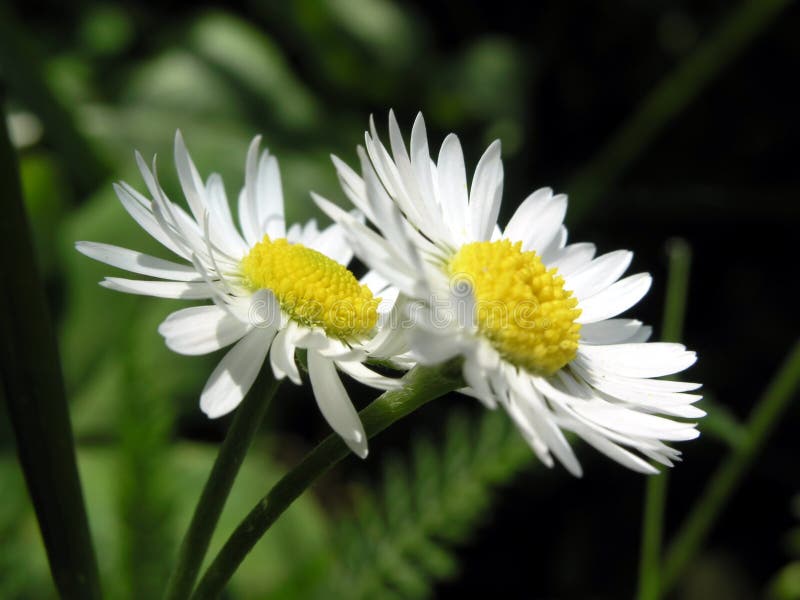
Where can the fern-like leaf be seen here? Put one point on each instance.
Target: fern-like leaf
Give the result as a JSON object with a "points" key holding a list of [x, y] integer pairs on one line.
{"points": [[401, 539]]}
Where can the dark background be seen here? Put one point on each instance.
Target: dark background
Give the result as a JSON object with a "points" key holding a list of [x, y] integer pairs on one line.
{"points": [[654, 123]]}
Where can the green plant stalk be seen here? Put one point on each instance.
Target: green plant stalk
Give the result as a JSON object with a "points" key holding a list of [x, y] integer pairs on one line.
{"points": [[33, 388], [680, 258], [725, 480], [421, 385], [245, 425], [673, 93]]}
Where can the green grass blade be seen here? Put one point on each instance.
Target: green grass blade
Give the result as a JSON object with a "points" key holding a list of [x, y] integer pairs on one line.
{"points": [[772, 404], [680, 257], [33, 389]]}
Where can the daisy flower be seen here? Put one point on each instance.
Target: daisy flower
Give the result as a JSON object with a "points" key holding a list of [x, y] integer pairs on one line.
{"points": [[532, 317], [273, 289]]}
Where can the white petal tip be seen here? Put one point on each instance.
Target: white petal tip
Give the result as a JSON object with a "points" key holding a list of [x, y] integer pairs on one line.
{"points": [[359, 450], [212, 411]]}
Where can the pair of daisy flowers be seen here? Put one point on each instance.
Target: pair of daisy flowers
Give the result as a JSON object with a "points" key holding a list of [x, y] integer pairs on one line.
{"points": [[531, 317]]}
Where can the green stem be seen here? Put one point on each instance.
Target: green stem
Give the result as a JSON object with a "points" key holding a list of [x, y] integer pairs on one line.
{"points": [[33, 388], [422, 384], [762, 420], [680, 256], [673, 93], [240, 435]]}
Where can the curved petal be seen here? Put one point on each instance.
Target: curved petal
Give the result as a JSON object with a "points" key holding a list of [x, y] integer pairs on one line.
{"points": [[453, 185], [281, 356], [615, 299], [362, 374], [234, 375], [599, 274], [486, 192], [201, 329], [611, 331], [160, 289], [334, 403], [520, 223], [137, 262]]}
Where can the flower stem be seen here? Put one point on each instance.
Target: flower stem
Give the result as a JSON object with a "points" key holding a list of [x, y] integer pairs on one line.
{"points": [[32, 385], [422, 384], [680, 256], [237, 441], [766, 413]]}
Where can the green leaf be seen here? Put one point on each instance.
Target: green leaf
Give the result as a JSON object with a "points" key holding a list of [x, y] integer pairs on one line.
{"points": [[33, 389]]}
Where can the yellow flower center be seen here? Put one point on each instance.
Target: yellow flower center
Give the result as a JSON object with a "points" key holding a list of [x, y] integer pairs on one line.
{"points": [[522, 307], [313, 289]]}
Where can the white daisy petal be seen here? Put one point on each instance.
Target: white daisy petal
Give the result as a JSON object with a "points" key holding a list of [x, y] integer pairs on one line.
{"points": [[572, 257], [610, 331], [452, 176], [526, 215], [637, 360], [160, 289], [142, 213], [615, 299], [486, 192], [190, 180], [269, 194], [234, 375], [228, 238], [610, 449], [547, 224], [353, 187], [431, 348], [137, 262], [553, 249], [335, 404], [477, 379], [362, 374], [332, 243], [538, 417], [248, 199], [599, 274], [201, 329], [281, 356], [537, 221]]}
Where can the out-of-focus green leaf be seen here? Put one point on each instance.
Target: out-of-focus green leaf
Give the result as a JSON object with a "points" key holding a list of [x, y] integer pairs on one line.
{"points": [[786, 585], [383, 28], [23, 563], [246, 57], [106, 29], [46, 199]]}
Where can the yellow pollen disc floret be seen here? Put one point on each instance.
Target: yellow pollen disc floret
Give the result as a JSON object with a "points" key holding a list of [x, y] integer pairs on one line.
{"points": [[521, 306], [313, 289]]}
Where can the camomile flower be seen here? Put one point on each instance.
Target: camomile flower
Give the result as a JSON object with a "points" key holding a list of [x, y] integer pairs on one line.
{"points": [[273, 289], [532, 317]]}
